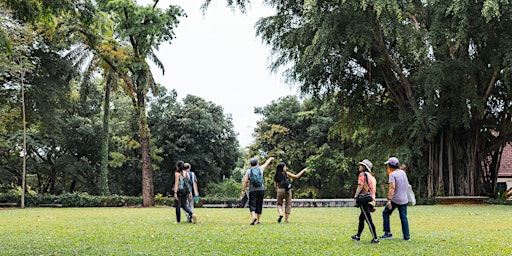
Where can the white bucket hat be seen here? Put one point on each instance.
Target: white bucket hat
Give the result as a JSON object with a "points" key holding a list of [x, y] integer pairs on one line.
{"points": [[367, 164]]}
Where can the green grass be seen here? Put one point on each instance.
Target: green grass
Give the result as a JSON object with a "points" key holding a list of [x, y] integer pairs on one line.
{"points": [[435, 230]]}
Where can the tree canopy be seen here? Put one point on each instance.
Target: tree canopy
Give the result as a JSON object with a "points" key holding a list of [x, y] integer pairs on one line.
{"points": [[429, 79]]}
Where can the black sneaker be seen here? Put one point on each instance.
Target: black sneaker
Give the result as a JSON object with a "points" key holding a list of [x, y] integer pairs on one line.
{"points": [[253, 221], [280, 218], [375, 241], [386, 236], [355, 238]]}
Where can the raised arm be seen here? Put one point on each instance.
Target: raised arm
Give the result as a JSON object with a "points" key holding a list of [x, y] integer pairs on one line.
{"points": [[264, 166], [296, 176]]}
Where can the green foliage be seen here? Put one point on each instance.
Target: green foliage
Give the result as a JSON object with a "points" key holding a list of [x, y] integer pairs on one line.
{"points": [[225, 189], [79, 200], [405, 75], [498, 201], [200, 134]]}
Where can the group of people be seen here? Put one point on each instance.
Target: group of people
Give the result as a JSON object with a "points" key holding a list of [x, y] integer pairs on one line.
{"points": [[396, 199], [282, 186], [366, 183], [185, 191]]}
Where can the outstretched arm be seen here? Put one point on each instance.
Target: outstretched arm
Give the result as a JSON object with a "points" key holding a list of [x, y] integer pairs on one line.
{"points": [[264, 166], [295, 176]]}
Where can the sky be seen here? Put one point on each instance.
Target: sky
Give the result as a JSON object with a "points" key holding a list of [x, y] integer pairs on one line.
{"points": [[217, 56]]}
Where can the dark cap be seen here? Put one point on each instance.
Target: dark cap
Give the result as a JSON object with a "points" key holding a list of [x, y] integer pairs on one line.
{"points": [[253, 161]]}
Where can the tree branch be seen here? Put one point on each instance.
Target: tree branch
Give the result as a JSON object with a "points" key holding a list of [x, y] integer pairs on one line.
{"points": [[491, 85]]}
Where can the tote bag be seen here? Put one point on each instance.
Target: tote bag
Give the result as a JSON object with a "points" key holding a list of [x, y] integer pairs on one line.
{"points": [[410, 195]]}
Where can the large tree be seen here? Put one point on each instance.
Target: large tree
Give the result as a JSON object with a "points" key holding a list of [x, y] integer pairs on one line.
{"points": [[434, 76], [195, 131]]}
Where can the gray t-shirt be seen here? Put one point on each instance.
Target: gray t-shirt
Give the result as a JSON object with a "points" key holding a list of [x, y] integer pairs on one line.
{"points": [[401, 186], [251, 187]]}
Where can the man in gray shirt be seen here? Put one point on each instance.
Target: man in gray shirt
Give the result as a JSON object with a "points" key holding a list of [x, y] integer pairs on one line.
{"points": [[397, 198], [256, 193]]}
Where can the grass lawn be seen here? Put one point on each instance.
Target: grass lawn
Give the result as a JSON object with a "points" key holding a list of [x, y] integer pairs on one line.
{"points": [[435, 230]]}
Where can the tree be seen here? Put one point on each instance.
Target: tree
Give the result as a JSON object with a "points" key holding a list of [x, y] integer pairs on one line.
{"points": [[18, 62], [436, 85], [197, 132]]}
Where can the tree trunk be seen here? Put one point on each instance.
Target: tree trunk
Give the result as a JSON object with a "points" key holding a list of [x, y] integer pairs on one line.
{"points": [[147, 172], [103, 177], [440, 183], [430, 176], [449, 144]]}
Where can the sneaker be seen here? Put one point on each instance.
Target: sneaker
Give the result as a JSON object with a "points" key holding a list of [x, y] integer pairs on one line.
{"points": [[280, 218], [375, 241], [407, 238], [253, 221], [386, 236], [258, 222], [355, 238]]}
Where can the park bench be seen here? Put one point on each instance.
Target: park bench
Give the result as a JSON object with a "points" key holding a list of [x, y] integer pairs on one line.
{"points": [[51, 205], [215, 206], [9, 204]]}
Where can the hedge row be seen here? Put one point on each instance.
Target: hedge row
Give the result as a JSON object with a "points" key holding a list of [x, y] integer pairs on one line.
{"points": [[86, 200]]}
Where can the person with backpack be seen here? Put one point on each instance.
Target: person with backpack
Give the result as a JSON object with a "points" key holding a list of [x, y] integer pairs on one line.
{"points": [[397, 199], [195, 191], [254, 178], [182, 191], [366, 183], [283, 187]]}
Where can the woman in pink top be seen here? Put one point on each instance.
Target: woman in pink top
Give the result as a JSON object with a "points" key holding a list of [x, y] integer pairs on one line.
{"points": [[366, 182]]}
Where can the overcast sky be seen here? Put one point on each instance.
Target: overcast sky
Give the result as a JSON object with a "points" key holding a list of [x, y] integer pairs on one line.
{"points": [[219, 58]]}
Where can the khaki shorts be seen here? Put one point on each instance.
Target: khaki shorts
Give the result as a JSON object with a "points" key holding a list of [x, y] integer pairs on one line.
{"points": [[282, 195]]}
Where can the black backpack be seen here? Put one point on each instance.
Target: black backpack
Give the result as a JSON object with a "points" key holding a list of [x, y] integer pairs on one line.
{"points": [[285, 182]]}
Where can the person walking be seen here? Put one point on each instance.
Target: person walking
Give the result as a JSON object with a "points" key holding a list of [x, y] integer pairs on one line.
{"points": [[397, 198], [195, 191], [256, 188], [182, 191], [366, 182], [282, 186]]}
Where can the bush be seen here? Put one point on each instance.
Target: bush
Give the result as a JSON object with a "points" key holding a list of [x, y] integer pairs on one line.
{"points": [[498, 201], [426, 201], [227, 188]]}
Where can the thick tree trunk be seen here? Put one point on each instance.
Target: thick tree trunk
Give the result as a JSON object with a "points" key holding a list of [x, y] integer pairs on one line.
{"points": [[451, 173], [147, 172], [449, 144], [440, 183], [430, 177]]}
